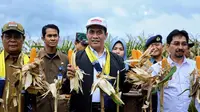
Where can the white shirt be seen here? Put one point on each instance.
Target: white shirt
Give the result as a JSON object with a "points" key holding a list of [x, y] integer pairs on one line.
{"points": [[101, 60], [173, 102]]}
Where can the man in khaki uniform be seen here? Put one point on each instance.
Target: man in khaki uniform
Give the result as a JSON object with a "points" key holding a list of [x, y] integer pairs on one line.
{"points": [[12, 39], [55, 62]]}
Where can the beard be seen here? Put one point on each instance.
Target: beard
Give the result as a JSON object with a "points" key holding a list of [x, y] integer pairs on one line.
{"points": [[179, 53]]}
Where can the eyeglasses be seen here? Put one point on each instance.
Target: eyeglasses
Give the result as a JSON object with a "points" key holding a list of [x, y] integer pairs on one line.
{"points": [[179, 43]]}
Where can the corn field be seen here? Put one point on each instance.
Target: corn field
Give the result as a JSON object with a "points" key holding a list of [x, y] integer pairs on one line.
{"points": [[132, 42]]}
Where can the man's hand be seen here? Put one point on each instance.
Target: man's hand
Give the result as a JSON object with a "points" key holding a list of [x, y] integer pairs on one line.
{"points": [[70, 71]]}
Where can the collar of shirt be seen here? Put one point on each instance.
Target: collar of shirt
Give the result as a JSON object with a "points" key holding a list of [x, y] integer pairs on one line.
{"points": [[152, 60], [171, 62], [14, 58], [96, 54], [43, 53], [101, 60]]}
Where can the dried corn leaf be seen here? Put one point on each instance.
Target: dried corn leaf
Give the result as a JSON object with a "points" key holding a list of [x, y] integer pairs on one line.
{"points": [[28, 81], [116, 99], [103, 84], [76, 81], [53, 89], [1, 100]]}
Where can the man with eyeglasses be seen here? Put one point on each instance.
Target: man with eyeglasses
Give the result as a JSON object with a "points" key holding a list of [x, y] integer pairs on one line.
{"points": [[55, 62], [13, 36], [177, 44]]}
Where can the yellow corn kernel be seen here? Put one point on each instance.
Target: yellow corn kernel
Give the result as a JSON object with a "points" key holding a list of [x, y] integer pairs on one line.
{"points": [[198, 62], [164, 63], [139, 54], [70, 51], [33, 55]]}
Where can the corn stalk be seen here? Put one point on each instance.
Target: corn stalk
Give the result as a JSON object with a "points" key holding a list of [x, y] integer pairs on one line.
{"points": [[140, 76], [102, 101], [162, 98], [117, 89]]}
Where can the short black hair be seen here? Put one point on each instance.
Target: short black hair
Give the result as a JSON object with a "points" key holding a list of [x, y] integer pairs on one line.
{"points": [[53, 26], [175, 33], [105, 29]]}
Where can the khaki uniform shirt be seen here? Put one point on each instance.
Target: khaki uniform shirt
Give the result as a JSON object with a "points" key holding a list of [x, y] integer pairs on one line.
{"points": [[10, 80], [51, 70]]}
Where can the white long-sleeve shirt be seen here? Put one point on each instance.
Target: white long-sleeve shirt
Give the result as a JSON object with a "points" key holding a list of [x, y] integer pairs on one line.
{"points": [[173, 102], [101, 60]]}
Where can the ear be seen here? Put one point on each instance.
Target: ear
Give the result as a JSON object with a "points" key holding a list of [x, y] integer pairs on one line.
{"points": [[106, 35], [167, 47], [24, 38], [75, 43]]}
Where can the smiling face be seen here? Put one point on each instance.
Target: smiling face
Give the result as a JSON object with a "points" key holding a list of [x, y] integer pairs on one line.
{"points": [[178, 46], [96, 36], [157, 48], [118, 49], [12, 41], [51, 37]]}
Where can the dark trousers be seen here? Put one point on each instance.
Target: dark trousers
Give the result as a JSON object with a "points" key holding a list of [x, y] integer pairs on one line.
{"points": [[154, 102], [96, 107]]}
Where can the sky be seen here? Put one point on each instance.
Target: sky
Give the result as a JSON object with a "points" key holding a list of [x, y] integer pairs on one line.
{"points": [[133, 17]]}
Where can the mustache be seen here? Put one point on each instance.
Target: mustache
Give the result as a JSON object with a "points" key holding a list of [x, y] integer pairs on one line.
{"points": [[95, 40], [180, 50]]}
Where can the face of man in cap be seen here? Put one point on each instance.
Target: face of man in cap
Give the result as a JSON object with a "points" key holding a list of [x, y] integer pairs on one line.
{"points": [[156, 48], [178, 46], [12, 41], [96, 36]]}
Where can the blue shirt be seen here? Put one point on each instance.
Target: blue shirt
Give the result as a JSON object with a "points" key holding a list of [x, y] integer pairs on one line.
{"points": [[173, 102]]}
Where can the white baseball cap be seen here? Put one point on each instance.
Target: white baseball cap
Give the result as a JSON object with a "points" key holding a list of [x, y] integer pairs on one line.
{"points": [[97, 21]]}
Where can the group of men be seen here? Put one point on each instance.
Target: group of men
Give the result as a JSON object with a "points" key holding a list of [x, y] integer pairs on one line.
{"points": [[177, 46], [92, 61]]}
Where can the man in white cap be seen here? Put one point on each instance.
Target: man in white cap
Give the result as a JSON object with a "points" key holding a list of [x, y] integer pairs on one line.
{"points": [[90, 61]]}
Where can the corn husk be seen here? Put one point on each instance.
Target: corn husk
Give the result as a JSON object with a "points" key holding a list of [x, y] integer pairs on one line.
{"points": [[194, 86], [76, 81], [140, 76], [54, 88], [104, 85]]}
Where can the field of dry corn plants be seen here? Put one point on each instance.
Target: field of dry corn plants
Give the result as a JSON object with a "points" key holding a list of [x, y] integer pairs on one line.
{"points": [[137, 43]]}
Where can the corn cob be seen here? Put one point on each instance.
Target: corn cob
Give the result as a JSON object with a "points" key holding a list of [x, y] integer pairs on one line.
{"points": [[198, 62], [76, 81], [70, 52], [135, 55], [106, 87], [33, 55]]}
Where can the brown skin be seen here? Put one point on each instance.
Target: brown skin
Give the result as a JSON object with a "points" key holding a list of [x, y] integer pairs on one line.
{"points": [[79, 46], [12, 42], [118, 49], [51, 39], [187, 52], [96, 38], [177, 48], [157, 51]]}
